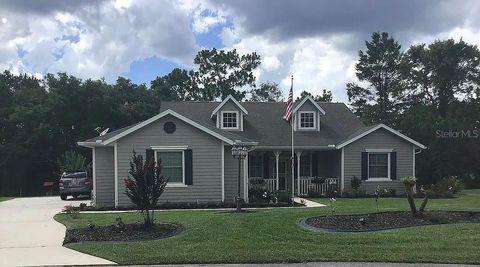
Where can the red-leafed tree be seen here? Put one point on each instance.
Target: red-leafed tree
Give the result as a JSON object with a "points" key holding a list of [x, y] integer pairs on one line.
{"points": [[145, 185]]}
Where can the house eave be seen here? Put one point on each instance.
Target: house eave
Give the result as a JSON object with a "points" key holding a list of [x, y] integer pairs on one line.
{"points": [[111, 140], [309, 98], [235, 101], [91, 144], [383, 126]]}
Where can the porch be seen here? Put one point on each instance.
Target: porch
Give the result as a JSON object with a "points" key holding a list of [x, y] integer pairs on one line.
{"points": [[316, 172]]}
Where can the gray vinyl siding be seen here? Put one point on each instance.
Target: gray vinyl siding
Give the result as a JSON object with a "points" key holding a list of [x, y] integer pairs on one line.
{"points": [[104, 177], [380, 139], [307, 106], [231, 176], [230, 106], [206, 149]]}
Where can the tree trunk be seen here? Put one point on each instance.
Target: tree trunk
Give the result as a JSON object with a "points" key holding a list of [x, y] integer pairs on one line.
{"points": [[424, 203], [411, 201]]}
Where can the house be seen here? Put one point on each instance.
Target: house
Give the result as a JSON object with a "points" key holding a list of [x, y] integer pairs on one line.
{"points": [[195, 139]]}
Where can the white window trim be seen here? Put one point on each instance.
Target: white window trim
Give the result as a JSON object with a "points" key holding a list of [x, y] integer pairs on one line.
{"points": [[382, 150], [379, 151], [238, 119], [173, 149], [300, 120]]}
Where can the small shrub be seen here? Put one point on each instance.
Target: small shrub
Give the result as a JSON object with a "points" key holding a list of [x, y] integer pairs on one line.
{"points": [[332, 205], [377, 196], [451, 183], [355, 184], [393, 192], [83, 206], [283, 197], [71, 210], [436, 218], [145, 185], [312, 193], [332, 189], [259, 195], [119, 224]]}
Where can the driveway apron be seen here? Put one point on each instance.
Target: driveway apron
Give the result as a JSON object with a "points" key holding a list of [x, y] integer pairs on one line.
{"points": [[29, 236]]}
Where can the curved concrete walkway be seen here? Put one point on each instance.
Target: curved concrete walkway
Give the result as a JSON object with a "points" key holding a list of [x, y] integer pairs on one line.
{"points": [[29, 236]]}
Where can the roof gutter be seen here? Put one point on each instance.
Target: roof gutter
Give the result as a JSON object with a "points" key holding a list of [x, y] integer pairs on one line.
{"points": [[91, 144], [329, 147]]}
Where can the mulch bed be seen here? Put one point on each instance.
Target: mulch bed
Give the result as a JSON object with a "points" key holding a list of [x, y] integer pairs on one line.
{"points": [[129, 233], [387, 220]]}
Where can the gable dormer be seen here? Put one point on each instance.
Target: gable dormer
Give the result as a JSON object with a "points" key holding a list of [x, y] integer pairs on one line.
{"points": [[306, 115], [229, 114]]}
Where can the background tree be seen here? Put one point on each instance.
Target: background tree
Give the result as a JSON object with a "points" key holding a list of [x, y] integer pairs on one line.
{"points": [[379, 67], [441, 72], [221, 73], [326, 96], [177, 85], [267, 92], [145, 185]]}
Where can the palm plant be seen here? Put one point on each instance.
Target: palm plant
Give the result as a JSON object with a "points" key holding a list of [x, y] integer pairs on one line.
{"points": [[72, 161]]}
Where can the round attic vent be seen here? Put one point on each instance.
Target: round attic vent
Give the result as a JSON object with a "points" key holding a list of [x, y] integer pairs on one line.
{"points": [[169, 127]]}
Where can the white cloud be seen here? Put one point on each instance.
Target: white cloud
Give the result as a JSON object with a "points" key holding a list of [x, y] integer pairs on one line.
{"points": [[102, 39], [99, 41]]}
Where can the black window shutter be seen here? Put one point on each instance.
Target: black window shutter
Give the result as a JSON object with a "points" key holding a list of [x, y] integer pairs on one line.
{"points": [[188, 167], [393, 165], [364, 165], [266, 162], [314, 164], [149, 155]]}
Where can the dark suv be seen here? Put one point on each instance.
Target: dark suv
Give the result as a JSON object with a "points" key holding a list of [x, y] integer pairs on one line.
{"points": [[75, 183]]}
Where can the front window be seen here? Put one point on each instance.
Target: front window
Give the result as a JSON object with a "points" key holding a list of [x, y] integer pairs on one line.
{"points": [[255, 166], [307, 120], [305, 165], [230, 120], [378, 165], [172, 165]]}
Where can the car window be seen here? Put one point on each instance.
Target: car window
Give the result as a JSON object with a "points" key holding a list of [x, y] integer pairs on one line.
{"points": [[75, 175]]}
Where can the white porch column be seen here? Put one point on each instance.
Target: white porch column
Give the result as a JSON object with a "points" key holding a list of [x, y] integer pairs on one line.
{"points": [[245, 179], [298, 153], [277, 158]]}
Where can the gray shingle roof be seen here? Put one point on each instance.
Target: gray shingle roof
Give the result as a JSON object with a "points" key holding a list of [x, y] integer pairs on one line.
{"points": [[110, 134], [265, 123]]}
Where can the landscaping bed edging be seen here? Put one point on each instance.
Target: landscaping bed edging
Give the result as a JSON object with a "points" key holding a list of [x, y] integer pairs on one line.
{"points": [[389, 220], [130, 233]]}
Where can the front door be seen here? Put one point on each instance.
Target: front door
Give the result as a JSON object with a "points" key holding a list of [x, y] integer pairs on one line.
{"points": [[282, 174]]}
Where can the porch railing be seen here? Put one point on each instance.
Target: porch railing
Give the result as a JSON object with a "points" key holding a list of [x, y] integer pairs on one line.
{"points": [[307, 187], [270, 184]]}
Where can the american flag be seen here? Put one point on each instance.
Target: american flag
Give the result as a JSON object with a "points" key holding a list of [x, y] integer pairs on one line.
{"points": [[288, 112]]}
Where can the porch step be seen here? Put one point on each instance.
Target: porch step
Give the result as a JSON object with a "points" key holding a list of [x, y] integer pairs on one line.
{"points": [[307, 203]]}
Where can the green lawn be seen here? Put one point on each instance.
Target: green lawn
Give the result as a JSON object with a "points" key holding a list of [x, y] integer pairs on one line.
{"points": [[4, 198], [275, 236]]}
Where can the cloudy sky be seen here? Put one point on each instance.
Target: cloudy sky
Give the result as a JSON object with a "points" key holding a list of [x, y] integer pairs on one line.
{"points": [[316, 41]]}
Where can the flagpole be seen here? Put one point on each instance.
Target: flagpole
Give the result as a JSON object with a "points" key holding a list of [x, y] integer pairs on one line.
{"points": [[293, 150]]}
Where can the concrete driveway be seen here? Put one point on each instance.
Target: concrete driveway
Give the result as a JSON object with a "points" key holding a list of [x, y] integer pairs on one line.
{"points": [[29, 236]]}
